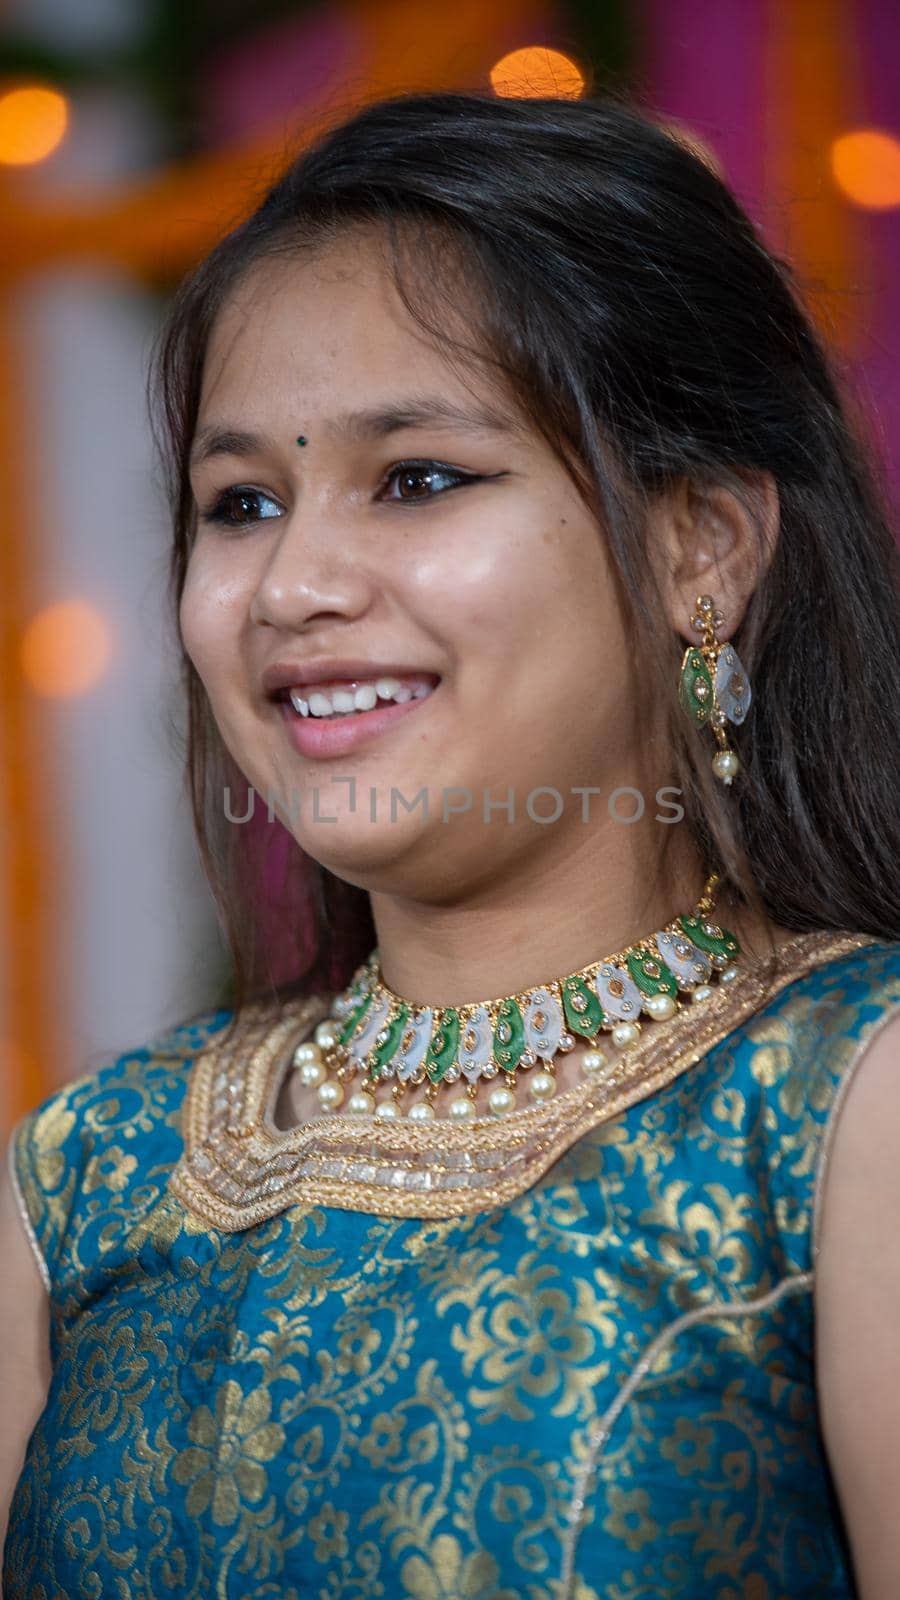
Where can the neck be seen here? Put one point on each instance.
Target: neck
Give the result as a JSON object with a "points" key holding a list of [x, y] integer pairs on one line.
{"points": [[500, 936]]}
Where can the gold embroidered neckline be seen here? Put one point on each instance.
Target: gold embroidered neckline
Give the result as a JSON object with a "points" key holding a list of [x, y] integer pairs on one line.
{"points": [[238, 1168]]}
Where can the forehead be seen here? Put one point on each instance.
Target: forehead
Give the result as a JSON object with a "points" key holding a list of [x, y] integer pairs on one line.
{"points": [[327, 328]]}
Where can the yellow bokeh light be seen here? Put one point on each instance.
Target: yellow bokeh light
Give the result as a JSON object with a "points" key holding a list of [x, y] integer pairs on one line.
{"points": [[535, 72], [33, 121], [866, 167], [65, 648]]}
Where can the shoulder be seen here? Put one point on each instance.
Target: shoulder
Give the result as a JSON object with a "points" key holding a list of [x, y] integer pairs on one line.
{"points": [[101, 1130], [859, 1173], [862, 976], [857, 1298], [809, 1035], [766, 1098], [819, 1016]]}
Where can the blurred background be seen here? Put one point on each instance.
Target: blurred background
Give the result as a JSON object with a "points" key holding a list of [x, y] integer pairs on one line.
{"points": [[132, 134]]}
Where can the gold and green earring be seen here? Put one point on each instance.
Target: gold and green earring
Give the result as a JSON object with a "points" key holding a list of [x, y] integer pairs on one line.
{"points": [[713, 686]]}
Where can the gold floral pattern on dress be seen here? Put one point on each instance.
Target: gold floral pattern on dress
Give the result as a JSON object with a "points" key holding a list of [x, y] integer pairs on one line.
{"points": [[224, 1464], [688, 1448], [446, 1574], [112, 1172], [328, 1532], [536, 1338], [384, 1439], [628, 1517], [335, 1404], [522, 1496], [356, 1347], [116, 1376]]}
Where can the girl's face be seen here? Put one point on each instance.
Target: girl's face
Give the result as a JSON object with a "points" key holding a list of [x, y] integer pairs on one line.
{"points": [[447, 546]]}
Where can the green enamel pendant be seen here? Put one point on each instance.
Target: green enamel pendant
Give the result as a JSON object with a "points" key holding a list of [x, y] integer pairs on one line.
{"points": [[695, 687]]}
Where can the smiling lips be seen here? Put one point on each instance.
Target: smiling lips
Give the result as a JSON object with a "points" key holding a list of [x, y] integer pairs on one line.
{"points": [[322, 731], [347, 697]]}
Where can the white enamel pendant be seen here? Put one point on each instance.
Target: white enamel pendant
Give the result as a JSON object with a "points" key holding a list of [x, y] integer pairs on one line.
{"points": [[618, 993], [475, 1048], [376, 1017], [408, 1061], [732, 685], [689, 964], [544, 1023]]}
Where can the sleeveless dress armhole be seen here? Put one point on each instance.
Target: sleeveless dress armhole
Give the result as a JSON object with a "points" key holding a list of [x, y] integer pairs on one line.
{"points": [[89, 1135], [15, 1156], [847, 1079]]}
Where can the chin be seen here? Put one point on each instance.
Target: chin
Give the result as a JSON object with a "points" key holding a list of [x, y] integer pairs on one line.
{"points": [[359, 850]]}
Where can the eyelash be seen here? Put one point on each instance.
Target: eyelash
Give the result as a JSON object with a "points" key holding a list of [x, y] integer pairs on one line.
{"points": [[216, 512]]}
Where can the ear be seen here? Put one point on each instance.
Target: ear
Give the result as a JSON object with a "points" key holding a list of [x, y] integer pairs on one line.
{"points": [[714, 540]]}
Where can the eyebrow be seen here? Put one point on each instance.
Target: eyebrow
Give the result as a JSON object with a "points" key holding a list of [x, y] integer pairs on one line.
{"points": [[355, 427]]}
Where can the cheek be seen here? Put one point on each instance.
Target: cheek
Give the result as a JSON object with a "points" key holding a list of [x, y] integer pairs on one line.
{"points": [[539, 601], [190, 615], [541, 665], [210, 617]]}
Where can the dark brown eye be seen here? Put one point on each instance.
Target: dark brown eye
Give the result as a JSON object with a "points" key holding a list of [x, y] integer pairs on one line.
{"points": [[237, 508], [424, 473]]}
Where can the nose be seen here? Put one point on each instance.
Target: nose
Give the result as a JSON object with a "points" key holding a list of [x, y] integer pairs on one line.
{"points": [[311, 572]]}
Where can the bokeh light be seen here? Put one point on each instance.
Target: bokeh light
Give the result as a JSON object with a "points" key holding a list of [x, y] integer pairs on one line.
{"points": [[866, 168], [66, 648], [535, 72], [33, 122]]}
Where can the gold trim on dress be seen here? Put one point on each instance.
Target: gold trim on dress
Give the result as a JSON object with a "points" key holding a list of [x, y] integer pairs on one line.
{"points": [[715, 1310], [237, 1168], [22, 1208]]}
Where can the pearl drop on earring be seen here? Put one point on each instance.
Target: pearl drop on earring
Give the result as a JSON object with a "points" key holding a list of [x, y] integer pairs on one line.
{"points": [[726, 765]]}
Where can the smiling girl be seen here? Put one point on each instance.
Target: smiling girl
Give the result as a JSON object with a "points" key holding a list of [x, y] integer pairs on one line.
{"points": [[534, 1239]]}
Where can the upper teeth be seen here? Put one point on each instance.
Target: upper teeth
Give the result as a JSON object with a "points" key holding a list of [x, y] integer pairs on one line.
{"points": [[323, 703]]}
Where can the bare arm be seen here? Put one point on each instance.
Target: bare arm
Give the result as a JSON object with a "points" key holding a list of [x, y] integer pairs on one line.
{"points": [[857, 1299], [24, 1343]]}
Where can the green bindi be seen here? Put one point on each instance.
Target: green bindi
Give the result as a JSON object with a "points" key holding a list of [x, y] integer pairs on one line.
{"points": [[301, 439]]}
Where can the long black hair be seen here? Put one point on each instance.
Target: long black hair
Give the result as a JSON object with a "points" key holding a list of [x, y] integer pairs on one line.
{"points": [[592, 260]]}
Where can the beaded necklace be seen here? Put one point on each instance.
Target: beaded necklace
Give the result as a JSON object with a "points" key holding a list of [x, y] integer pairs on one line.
{"points": [[395, 1044]]}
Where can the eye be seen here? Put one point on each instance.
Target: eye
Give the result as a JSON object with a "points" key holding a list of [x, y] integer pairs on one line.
{"points": [[236, 507], [231, 501], [425, 471]]}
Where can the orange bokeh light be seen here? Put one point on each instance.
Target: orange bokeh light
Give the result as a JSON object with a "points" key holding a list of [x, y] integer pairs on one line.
{"points": [[866, 167], [33, 121], [535, 72], [66, 648]]}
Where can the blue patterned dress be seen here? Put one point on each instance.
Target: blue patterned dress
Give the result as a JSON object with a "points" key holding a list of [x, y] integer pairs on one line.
{"points": [[575, 1367]]}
